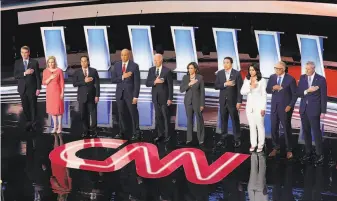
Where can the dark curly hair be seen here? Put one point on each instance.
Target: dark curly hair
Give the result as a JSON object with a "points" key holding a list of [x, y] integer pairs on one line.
{"points": [[195, 65], [257, 69]]}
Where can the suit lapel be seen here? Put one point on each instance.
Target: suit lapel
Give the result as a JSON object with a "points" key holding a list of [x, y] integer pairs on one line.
{"points": [[231, 76], [284, 81], [161, 73], [314, 81]]}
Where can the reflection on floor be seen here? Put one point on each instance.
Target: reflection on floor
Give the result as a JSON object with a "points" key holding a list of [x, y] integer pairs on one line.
{"points": [[27, 173]]}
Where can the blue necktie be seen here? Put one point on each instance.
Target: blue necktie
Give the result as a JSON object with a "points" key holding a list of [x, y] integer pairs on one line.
{"points": [[25, 64], [279, 81]]}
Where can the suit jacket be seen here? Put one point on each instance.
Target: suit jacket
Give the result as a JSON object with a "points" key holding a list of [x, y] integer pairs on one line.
{"points": [[316, 101], [228, 94], [29, 83], [164, 91], [286, 96], [194, 94], [86, 91], [256, 98], [130, 86]]}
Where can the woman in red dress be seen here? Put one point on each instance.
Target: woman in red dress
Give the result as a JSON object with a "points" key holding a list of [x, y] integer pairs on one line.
{"points": [[54, 81]]}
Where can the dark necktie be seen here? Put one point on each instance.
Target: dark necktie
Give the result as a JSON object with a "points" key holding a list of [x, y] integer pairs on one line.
{"points": [[157, 72], [124, 68], [25, 64], [85, 73], [279, 81]]}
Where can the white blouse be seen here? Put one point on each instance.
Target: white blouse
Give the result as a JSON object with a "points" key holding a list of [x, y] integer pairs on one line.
{"points": [[256, 98]]}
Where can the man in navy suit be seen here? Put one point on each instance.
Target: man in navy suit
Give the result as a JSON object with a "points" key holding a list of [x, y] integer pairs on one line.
{"points": [[127, 77], [160, 79], [229, 82], [26, 72], [282, 86], [88, 93], [312, 89]]}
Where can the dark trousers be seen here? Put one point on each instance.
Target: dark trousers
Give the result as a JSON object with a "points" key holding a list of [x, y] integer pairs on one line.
{"points": [[87, 110], [192, 110], [132, 108], [29, 103], [162, 119], [312, 124], [279, 115], [225, 111]]}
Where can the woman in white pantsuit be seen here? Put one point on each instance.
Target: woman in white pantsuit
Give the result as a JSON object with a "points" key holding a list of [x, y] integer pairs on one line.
{"points": [[254, 87]]}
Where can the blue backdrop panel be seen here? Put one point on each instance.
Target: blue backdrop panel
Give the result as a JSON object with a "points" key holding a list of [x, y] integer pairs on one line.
{"points": [[184, 44], [268, 46], [98, 48], [54, 45], [146, 115], [104, 113], [142, 50], [226, 45]]}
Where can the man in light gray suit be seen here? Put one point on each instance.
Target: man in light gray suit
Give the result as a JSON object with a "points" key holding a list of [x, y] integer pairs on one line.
{"points": [[257, 188], [193, 85]]}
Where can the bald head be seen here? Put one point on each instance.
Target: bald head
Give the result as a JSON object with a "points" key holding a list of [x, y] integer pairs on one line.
{"points": [[125, 55], [158, 60]]}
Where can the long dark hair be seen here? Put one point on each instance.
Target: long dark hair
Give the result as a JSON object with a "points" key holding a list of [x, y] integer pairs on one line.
{"points": [[195, 65], [257, 70]]}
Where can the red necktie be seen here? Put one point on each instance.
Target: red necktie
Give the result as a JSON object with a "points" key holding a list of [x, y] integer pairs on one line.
{"points": [[123, 69]]}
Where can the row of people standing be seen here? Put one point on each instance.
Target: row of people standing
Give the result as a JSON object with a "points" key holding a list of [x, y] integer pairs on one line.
{"points": [[311, 88]]}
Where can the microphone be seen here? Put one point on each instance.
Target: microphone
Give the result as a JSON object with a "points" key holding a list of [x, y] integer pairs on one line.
{"points": [[52, 19], [96, 18]]}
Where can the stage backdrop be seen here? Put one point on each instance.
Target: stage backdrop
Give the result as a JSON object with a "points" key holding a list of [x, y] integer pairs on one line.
{"points": [[54, 45]]}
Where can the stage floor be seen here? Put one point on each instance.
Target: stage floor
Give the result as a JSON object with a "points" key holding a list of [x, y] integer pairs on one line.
{"points": [[28, 174]]}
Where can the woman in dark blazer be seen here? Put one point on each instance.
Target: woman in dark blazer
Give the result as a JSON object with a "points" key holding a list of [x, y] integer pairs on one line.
{"points": [[193, 85]]}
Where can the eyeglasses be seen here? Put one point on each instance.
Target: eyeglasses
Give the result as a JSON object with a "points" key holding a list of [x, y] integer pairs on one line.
{"points": [[278, 68]]}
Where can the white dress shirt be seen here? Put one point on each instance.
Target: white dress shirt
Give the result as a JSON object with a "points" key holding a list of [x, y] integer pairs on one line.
{"points": [[85, 70], [310, 84], [126, 67], [160, 68], [228, 75], [257, 97]]}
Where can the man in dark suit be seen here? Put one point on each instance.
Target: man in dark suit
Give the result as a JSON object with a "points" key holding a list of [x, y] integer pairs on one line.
{"points": [[282, 86], [127, 77], [229, 82], [26, 71], [312, 89], [88, 92], [160, 79]]}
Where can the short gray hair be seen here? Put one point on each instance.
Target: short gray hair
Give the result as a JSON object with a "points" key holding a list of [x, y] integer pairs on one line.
{"points": [[311, 63], [282, 63]]}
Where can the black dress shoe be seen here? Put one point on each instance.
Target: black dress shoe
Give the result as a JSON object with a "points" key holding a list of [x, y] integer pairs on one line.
{"points": [[135, 137], [33, 127], [319, 160], [202, 145], [93, 133], [221, 143], [158, 139], [119, 136], [167, 139], [237, 143], [84, 134], [28, 127], [306, 158]]}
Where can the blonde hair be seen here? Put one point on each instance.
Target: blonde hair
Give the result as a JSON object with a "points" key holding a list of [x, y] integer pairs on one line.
{"points": [[49, 58]]}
